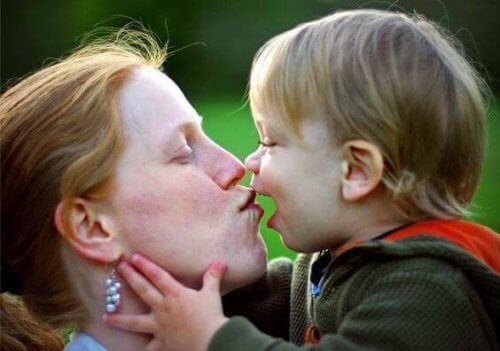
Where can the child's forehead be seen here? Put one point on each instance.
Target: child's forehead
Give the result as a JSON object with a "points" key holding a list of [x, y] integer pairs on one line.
{"points": [[312, 134], [269, 124], [277, 123], [279, 128]]}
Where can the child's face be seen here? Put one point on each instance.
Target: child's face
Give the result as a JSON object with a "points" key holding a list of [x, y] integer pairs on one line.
{"points": [[303, 176]]}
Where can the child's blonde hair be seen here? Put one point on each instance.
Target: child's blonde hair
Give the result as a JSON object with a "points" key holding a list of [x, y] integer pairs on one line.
{"points": [[394, 80]]}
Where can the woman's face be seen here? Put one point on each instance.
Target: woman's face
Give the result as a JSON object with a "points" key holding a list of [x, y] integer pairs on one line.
{"points": [[176, 199]]}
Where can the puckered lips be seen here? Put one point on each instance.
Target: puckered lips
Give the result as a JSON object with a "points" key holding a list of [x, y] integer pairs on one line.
{"points": [[272, 221], [249, 201], [251, 205]]}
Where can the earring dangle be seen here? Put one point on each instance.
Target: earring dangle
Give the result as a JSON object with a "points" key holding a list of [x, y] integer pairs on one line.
{"points": [[112, 293]]}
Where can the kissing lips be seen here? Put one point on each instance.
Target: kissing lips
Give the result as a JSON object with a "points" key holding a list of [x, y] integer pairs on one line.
{"points": [[250, 200], [256, 207], [272, 221], [251, 205]]}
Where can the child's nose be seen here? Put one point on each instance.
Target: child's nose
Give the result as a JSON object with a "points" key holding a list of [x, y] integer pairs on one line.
{"points": [[252, 162]]}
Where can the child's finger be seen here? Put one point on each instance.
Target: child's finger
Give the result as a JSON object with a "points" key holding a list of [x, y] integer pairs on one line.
{"points": [[213, 276], [131, 322], [154, 345], [162, 280], [142, 287]]}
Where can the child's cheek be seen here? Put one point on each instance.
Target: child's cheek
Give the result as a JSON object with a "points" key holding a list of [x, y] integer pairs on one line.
{"points": [[274, 184]]}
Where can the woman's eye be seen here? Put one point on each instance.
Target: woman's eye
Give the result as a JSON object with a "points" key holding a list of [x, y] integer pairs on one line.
{"points": [[266, 144], [184, 155]]}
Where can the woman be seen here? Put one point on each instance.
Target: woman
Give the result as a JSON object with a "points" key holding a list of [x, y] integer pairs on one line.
{"points": [[103, 156]]}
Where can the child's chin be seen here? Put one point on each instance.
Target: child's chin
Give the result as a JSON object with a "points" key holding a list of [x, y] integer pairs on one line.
{"points": [[296, 245], [289, 243]]}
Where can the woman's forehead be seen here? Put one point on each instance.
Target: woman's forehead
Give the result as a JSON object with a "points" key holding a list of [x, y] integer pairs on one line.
{"points": [[151, 103]]}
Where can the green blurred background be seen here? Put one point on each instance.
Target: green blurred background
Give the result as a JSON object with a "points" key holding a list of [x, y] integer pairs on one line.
{"points": [[212, 45]]}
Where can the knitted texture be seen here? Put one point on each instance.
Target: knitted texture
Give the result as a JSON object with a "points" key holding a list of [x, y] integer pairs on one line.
{"points": [[267, 302], [418, 293]]}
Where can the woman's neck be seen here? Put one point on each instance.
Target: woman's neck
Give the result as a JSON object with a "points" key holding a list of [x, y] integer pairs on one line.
{"points": [[116, 339], [113, 338], [109, 337], [90, 288]]}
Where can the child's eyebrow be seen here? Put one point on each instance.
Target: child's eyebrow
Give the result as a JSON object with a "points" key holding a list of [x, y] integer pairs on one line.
{"points": [[269, 129], [260, 128], [275, 131]]}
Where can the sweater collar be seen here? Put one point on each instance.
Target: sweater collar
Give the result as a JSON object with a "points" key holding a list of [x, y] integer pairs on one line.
{"points": [[477, 240]]}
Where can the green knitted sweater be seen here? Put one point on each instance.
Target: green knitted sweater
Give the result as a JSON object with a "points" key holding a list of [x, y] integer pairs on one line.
{"points": [[418, 293]]}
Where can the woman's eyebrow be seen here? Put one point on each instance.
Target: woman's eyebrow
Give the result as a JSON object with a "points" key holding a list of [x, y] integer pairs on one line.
{"points": [[191, 125], [183, 128]]}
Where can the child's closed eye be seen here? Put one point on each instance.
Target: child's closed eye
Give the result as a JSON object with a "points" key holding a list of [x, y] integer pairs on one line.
{"points": [[266, 144]]}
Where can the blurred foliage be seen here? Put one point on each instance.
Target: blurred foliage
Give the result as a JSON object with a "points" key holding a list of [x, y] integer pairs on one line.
{"points": [[212, 44], [218, 38]]}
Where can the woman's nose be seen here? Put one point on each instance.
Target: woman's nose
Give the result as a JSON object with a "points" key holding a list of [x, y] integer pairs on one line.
{"points": [[252, 162], [230, 170]]}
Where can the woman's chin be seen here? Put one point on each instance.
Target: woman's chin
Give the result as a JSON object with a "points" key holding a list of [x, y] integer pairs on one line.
{"points": [[243, 275]]}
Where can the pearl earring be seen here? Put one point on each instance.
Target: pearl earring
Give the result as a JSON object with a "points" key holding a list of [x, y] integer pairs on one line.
{"points": [[112, 293]]}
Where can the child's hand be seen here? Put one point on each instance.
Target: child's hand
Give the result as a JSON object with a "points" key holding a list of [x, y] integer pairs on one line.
{"points": [[181, 318]]}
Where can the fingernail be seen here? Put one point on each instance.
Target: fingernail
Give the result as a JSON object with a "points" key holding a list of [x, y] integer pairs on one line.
{"points": [[135, 258], [220, 267]]}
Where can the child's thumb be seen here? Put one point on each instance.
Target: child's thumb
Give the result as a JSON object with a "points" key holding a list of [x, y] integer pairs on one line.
{"points": [[214, 275]]}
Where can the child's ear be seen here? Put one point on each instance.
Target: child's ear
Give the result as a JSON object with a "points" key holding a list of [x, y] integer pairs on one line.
{"points": [[88, 229], [362, 169]]}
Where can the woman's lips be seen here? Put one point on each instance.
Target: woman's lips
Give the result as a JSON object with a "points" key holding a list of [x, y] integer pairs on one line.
{"points": [[272, 221], [250, 200], [255, 206]]}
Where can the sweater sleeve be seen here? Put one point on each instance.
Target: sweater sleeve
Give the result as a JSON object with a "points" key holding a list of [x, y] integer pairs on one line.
{"points": [[408, 310], [265, 303]]}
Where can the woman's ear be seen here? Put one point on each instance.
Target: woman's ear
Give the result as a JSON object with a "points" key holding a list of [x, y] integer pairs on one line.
{"points": [[362, 169], [88, 229]]}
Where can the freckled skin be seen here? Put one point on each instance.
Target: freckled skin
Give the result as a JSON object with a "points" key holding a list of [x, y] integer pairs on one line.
{"points": [[175, 198]]}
